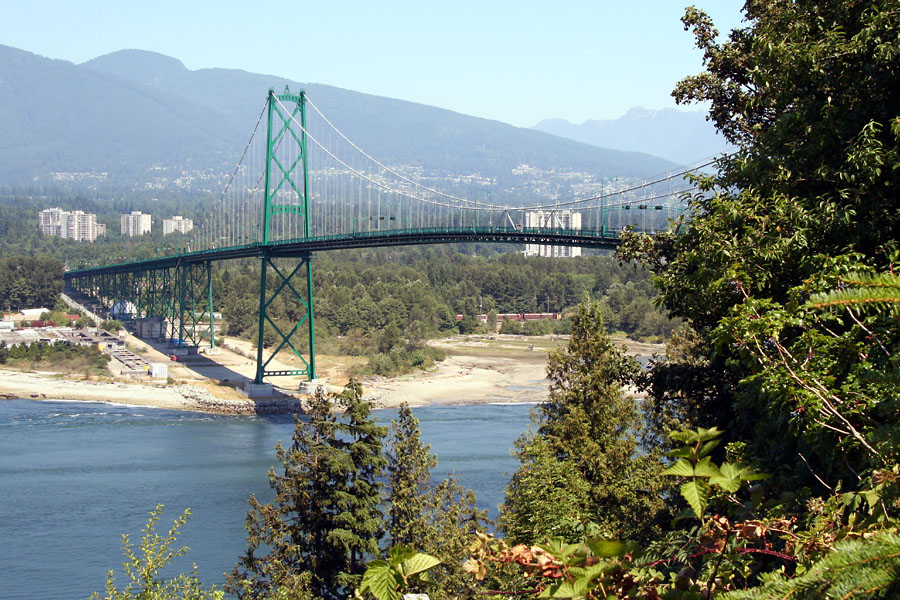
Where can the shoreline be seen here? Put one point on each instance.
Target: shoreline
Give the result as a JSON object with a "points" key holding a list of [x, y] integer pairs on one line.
{"points": [[186, 397], [455, 381], [477, 370]]}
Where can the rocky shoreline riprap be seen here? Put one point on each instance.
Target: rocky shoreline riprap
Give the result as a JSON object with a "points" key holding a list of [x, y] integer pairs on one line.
{"points": [[205, 401]]}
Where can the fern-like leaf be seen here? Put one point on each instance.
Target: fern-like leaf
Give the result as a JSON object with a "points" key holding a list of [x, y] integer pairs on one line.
{"points": [[864, 289], [854, 570]]}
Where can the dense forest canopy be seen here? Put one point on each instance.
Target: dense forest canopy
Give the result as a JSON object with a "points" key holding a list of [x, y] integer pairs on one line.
{"points": [[385, 303], [29, 282]]}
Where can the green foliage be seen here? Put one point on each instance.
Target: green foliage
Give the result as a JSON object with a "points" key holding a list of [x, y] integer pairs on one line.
{"points": [[546, 497], [790, 344], [878, 291], [438, 519], [537, 327], [712, 561], [695, 464], [324, 520], [360, 293], [510, 327], [360, 524], [409, 477], [142, 567], [402, 359], [806, 204], [790, 340], [781, 276], [112, 325], [29, 282], [832, 376], [454, 518], [592, 568], [60, 358], [20, 236], [385, 304], [855, 569], [60, 318], [401, 572], [467, 325], [587, 440], [715, 555]]}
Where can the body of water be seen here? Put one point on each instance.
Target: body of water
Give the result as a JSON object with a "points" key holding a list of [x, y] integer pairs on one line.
{"points": [[74, 476]]}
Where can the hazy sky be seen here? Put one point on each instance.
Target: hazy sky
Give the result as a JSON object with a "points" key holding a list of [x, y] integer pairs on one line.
{"points": [[517, 62]]}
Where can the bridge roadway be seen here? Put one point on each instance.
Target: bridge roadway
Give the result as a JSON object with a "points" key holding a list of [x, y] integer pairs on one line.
{"points": [[367, 239]]}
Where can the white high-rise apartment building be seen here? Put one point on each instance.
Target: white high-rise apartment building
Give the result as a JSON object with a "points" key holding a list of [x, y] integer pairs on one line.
{"points": [[552, 219], [135, 223], [50, 220], [74, 225], [177, 223]]}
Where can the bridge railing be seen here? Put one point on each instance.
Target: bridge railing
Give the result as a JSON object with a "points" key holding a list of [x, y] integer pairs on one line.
{"points": [[556, 236], [606, 233]]}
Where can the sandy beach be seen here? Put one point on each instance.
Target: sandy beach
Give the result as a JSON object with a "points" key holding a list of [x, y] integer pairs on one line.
{"points": [[52, 386], [181, 396], [477, 370], [457, 380], [464, 380]]}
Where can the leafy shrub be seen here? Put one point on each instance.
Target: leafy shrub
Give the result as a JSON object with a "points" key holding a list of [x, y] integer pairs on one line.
{"points": [[142, 568], [112, 325]]}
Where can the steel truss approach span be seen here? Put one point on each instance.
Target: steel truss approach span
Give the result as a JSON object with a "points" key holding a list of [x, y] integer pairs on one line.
{"points": [[304, 187]]}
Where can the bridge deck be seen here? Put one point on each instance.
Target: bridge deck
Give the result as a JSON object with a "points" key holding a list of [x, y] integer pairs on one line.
{"points": [[368, 239]]}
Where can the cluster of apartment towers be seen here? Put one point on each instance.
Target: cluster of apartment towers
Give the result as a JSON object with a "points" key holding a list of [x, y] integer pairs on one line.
{"points": [[83, 227]]}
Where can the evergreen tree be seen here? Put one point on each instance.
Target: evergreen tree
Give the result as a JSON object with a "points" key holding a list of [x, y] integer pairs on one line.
{"points": [[454, 519], [437, 520], [855, 570], [359, 518], [409, 475], [29, 282], [286, 539], [324, 521], [547, 496], [587, 441]]}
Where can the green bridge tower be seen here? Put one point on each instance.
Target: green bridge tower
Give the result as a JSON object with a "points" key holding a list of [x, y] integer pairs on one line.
{"points": [[286, 193]]}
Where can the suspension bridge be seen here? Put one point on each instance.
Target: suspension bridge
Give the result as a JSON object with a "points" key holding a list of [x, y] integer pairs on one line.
{"points": [[301, 186]]}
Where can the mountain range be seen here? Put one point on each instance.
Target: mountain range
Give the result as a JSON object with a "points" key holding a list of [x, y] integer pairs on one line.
{"points": [[683, 137], [131, 111]]}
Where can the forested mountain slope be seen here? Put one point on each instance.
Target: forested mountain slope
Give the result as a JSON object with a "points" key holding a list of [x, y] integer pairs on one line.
{"points": [[126, 112]]}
